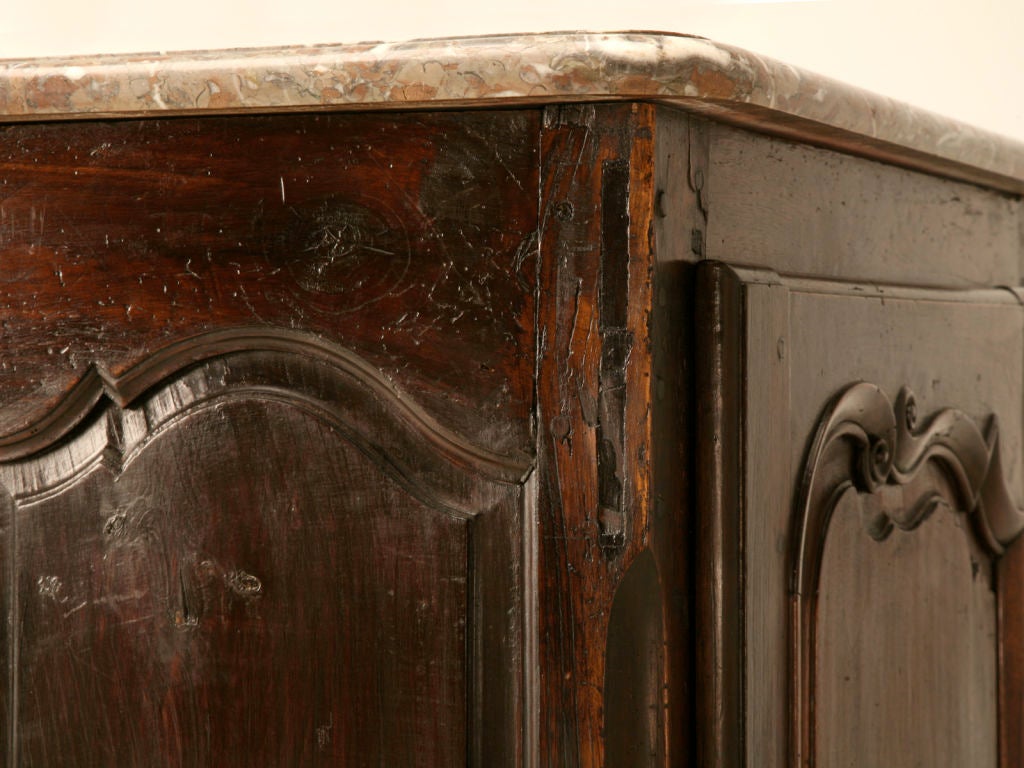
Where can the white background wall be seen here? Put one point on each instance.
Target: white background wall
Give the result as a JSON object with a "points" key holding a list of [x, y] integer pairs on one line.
{"points": [[964, 58]]}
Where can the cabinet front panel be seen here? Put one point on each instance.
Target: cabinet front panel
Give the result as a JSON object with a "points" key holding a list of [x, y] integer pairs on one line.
{"points": [[265, 416]]}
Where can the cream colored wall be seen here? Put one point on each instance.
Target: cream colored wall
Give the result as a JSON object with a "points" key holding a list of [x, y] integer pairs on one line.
{"points": [[964, 59]]}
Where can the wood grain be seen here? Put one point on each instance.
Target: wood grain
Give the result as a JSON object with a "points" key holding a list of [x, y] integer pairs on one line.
{"points": [[267, 398], [392, 235], [877, 471], [799, 337], [213, 584]]}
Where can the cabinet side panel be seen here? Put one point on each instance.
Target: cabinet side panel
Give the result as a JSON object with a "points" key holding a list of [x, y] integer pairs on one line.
{"points": [[801, 342]]}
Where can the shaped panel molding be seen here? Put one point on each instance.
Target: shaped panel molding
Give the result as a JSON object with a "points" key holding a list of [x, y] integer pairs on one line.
{"points": [[109, 419], [879, 450]]}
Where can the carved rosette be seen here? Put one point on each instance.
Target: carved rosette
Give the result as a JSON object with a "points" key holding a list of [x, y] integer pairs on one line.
{"points": [[865, 444]]}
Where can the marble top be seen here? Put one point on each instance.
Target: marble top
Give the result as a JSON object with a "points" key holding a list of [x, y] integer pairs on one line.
{"points": [[693, 73]]}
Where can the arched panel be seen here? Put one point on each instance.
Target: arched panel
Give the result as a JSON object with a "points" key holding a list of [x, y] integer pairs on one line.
{"points": [[252, 550]]}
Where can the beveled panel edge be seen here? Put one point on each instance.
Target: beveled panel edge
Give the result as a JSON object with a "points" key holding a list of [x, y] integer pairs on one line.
{"points": [[722, 81]]}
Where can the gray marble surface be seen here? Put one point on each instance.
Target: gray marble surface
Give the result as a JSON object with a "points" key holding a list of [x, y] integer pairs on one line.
{"points": [[693, 73]]}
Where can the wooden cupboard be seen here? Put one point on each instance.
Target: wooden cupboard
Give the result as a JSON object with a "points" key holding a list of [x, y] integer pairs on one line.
{"points": [[577, 428]]}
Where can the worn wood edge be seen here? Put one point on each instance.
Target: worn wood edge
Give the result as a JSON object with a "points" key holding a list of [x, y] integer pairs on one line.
{"points": [[593, 390], [568, 140], [719, 546], [640, 365], [98, 384], [694, 73], [647, 536]]}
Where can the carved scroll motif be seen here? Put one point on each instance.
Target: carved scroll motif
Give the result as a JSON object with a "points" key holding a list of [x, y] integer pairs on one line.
{"points": [[866, 445]]}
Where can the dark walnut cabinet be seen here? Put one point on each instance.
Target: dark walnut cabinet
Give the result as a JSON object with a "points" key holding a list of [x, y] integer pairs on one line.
{"points": [[563, 401]]}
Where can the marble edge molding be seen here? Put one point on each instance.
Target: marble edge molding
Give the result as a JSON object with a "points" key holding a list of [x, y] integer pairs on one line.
{"points": [[694, 73]]}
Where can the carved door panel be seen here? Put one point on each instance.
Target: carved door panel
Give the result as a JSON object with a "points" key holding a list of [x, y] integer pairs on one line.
{"points": [[266, 559], [872, 484], [265, 425]]}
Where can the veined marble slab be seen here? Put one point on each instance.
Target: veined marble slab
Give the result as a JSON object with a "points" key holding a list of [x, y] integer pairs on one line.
{"points": [[728, 83]]}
